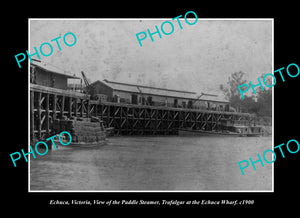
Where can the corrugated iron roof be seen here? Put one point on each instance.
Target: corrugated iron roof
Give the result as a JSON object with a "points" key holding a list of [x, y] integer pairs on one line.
{"points": [[159, 91], [52, 69], [213, 98], [150, 90]]}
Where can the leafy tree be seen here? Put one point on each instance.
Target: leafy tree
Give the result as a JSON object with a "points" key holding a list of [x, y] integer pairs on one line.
{"points": [[261, 106], [264, 98], [231, 91]]}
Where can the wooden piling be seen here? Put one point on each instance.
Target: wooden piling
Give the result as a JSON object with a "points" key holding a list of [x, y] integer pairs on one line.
{"points": [[31, 116], [39, 115], [47, 115], [127, 119]]}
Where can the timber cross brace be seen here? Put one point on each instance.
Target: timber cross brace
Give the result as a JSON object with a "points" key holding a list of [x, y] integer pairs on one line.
{"points": [[47, 104]]}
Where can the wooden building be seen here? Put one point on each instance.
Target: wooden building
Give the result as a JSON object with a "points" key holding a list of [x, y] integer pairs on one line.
{"points": [[145, 95], [47, 75]]}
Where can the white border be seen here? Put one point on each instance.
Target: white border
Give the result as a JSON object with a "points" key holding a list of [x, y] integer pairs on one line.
{"points": [[146, 191]]}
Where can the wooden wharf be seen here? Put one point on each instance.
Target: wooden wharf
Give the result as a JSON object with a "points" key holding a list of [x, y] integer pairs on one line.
{"points": [[47, 104]]}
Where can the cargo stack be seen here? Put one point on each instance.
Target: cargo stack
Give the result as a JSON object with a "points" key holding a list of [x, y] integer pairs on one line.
{"points": [[81, 129]]}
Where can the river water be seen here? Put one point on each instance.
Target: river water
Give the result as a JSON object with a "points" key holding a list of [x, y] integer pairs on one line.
{"points": [[155, 163]]}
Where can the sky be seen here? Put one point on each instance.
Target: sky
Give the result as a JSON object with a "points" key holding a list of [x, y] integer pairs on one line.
{"points": [[196, 58]]}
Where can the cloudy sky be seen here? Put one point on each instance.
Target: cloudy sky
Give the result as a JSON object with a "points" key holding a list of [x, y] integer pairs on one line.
{"points": [[196, 58]]}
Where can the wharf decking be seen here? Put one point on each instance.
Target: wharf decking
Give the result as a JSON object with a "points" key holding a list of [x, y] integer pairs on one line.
{"points": [[47, 104]]}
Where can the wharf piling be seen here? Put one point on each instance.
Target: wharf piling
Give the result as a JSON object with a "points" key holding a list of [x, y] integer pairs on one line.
{"points": [[48, 104]]}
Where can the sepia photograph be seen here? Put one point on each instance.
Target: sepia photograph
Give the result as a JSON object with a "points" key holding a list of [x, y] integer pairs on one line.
{"points": [[150, 105]]}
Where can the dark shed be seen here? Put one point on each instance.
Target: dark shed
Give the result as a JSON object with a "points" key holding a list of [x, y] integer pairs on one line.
{"points": [[47, 75]]}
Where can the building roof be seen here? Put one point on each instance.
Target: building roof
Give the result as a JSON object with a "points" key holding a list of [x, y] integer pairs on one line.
{"points": [[213, 98], [52, 69], [126, 87], [149, 90]]}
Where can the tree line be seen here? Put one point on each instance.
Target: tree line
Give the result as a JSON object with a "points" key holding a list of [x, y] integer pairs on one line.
{"points": [[259, 104]]}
